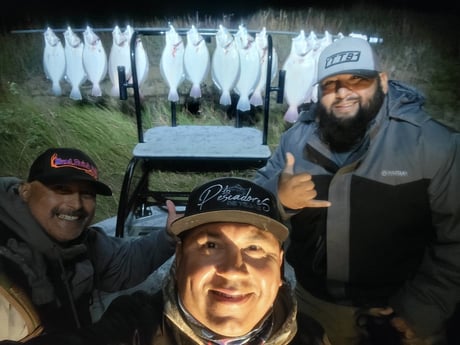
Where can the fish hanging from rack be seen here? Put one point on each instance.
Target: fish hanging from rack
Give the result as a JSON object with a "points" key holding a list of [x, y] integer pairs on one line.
{"points": [[300, 75], [142, 63], [119, 56], [172, 62], [318, 48], [249, 68], [54, 61], [225, 64], [75, 73], [94, 60], [196, 61], [261, 42]]}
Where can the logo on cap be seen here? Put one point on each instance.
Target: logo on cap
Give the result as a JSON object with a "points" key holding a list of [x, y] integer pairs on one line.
{"points": [[342, 57], [57, 162], [233, 196]]}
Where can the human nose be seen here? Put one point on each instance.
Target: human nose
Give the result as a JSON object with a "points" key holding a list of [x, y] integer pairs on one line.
{"points": [[233, 263], [74, 200], [342, 89]]}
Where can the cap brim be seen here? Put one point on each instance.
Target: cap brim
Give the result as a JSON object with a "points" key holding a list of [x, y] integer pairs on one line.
{"points": [[99, 187], [279, 230], [365, 73]]}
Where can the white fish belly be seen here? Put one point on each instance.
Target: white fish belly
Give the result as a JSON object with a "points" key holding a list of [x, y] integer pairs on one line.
{"points": [[95, 63], [75, 72], [172, 70], [225, 71], [119, 56], [54, 64], [300, 75], [196, 65], [249, 77]]}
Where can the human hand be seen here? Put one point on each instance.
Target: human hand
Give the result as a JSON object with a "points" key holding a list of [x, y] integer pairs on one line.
{"points": [[408, 335], [172, 215], [297, 191], [33, 265]]}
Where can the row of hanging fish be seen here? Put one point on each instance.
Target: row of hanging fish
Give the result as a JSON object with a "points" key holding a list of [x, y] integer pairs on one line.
{"points": [[80, 60], [238, 64]]}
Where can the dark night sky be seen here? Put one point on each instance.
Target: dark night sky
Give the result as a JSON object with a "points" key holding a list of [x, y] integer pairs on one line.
{"points": [[25, 14]]}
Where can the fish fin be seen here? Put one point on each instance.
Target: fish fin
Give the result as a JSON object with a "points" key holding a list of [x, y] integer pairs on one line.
{"points": [[225, 98], [243, 104], [291, 114], [195, 92]]}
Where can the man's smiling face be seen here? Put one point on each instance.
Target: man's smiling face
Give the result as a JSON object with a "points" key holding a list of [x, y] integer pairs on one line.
{"points": [[63, 210]]}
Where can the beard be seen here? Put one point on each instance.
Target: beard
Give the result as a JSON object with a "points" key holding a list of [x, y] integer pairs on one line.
{"points": [[343, 134]]}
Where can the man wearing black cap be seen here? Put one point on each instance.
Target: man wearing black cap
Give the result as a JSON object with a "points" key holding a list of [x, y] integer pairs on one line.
{"points": [[51, 256], [383, 260], [225, 286]]}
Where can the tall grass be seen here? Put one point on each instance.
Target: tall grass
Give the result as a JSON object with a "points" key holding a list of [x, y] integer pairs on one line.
{"points": [[421, 49]]}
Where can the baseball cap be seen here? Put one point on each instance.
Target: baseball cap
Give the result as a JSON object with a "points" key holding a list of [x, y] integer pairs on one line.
{"points": [[231, 199], [64, 165], [348, 55]]}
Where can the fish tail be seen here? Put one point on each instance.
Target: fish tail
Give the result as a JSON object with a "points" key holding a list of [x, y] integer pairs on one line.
{"points": [[256, 99], [96, 91], [195, 92], [115, 91], [225, 98], [243, 104], [75, 94], [173, 96], [57, 91], [291, 114]]}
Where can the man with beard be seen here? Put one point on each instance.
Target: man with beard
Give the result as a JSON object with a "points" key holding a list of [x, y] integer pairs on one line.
{"points": [[380, 264], [51, 260]]}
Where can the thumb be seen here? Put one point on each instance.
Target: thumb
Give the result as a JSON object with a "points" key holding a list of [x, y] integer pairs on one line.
{"points": [[171, 209], [289, 167]]}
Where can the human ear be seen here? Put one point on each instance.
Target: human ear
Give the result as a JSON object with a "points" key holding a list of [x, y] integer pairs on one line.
{"points": [[384, 82], [24, 191]]}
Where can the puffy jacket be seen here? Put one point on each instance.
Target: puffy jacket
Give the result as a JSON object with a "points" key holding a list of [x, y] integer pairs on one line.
{"points": [[392, 234], [93, 261]]}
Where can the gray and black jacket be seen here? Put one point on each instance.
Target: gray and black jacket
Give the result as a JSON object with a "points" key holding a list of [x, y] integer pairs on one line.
{"points": [[392, 234], [62, 291]]}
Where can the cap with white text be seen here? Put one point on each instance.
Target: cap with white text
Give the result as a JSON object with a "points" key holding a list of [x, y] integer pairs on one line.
{"points": [[235, 200], [348, 55]]}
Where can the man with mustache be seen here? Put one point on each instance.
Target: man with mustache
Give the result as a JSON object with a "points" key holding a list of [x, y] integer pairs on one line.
{"points": [[51, 259], [226, 285], [382, 263]]}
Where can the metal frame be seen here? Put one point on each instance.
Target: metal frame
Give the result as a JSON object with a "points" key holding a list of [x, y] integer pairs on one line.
{"points": [[133, 197]]}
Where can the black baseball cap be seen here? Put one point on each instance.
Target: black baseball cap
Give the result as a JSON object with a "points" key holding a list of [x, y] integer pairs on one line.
{"points": [[231, 199], [64, 165]]}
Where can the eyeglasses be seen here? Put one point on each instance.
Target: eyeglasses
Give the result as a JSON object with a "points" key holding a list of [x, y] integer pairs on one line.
{"points": [[353, 82]]}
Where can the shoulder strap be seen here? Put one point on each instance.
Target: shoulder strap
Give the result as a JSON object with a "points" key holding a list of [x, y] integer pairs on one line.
{"points": [[17, 303]]}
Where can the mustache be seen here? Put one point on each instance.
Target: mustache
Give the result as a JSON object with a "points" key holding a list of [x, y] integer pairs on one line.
{"points": [[79, 213]]}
